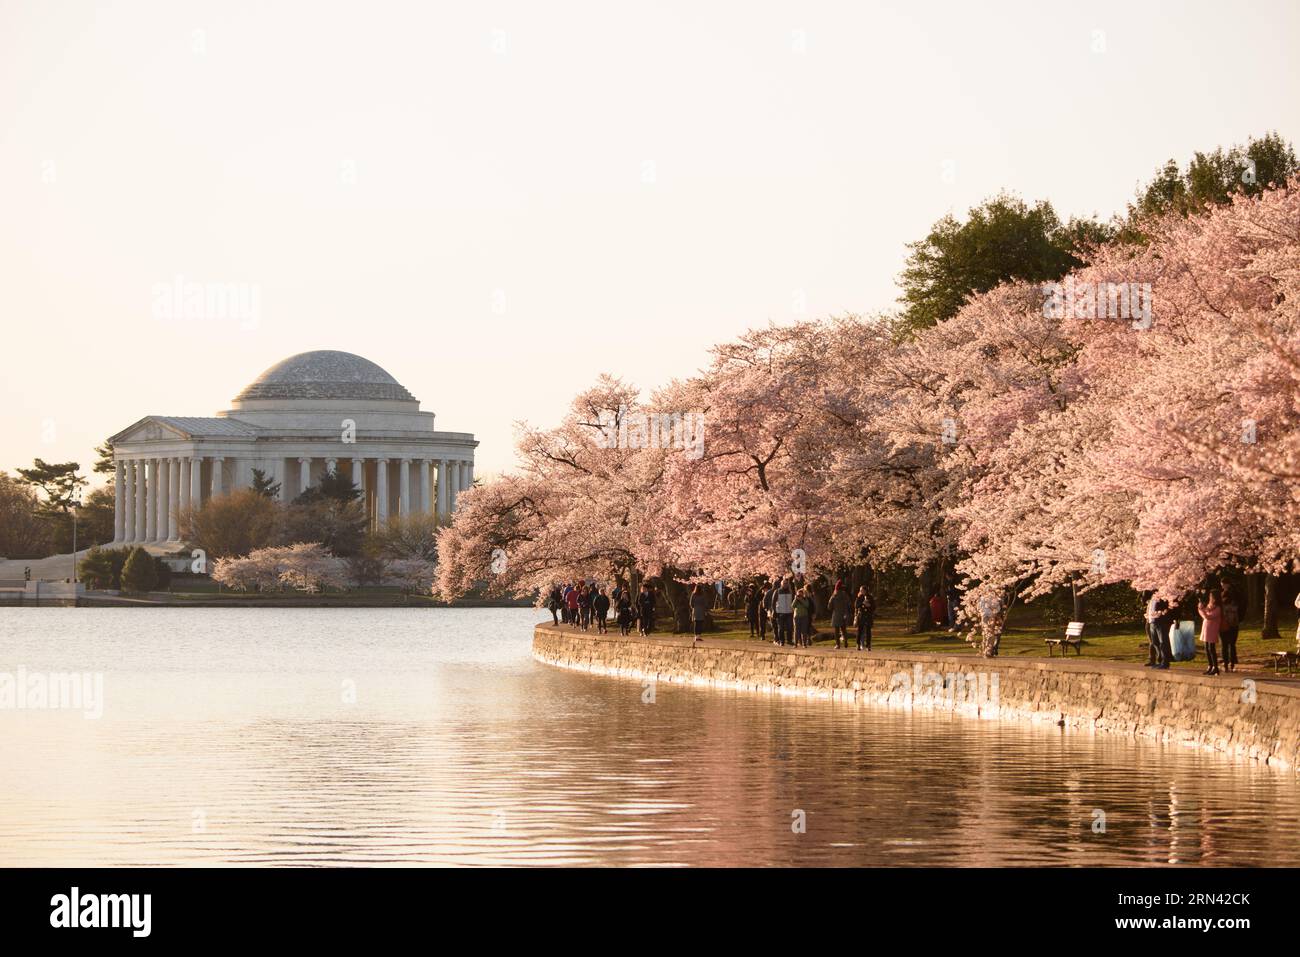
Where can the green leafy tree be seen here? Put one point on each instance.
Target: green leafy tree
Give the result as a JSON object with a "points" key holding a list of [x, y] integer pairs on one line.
{"points": [[104, 459], [1001, 240], [329, 513], [102, 567], [1211, 179], [339, 526], [58, 481], [333, 486], [265, 486], [95, 517], [140, 574]]}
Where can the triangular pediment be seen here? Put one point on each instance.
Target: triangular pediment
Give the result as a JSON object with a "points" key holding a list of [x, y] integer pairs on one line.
{"points": [[148, 429]]}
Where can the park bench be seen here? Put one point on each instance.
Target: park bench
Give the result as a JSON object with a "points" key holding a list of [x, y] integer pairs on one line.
{"points": [[1290, 657], [1073, 638]]}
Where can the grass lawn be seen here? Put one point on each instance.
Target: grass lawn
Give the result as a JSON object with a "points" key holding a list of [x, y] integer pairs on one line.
{"points": [[1023, 638]]}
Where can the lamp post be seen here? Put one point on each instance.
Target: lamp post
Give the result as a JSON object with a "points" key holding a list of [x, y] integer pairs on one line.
{"points": [[76, 504]]}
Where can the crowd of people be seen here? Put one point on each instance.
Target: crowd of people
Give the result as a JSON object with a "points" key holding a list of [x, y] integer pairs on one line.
{"points": [[1220, 613], [787, 607], [585, 604]]}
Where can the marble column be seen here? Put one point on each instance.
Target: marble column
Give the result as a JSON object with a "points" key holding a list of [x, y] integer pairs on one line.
{"points": [[141, 507], [404, 488], [359, 474], [119, 506], [173, 498], [426, 505], [457, 476], [151, 501], [183, 502], [304, 475], [218, 480], [196, 481], [469, 473], [164, 501], [128, 503], [443, 500], [381, 491]]}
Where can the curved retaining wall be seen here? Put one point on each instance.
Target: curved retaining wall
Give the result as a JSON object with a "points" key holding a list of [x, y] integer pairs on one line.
{"points": [[1241, 716]]}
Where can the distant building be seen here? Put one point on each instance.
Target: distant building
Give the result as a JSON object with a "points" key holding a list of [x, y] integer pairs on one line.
{"points": [[306, 415]]}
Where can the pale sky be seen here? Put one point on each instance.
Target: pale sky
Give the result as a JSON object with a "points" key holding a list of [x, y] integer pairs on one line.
{"points": [[496, 202]]}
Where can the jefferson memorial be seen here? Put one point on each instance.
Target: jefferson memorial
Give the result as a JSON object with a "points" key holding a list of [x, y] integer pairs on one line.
{"points": [[307, 415]]}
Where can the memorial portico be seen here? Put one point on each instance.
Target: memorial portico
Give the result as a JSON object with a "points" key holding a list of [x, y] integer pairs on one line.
{"points": [[311, 414]]}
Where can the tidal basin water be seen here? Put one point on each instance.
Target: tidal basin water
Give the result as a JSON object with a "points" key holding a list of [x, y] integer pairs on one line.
{"points": [[413, 736]]}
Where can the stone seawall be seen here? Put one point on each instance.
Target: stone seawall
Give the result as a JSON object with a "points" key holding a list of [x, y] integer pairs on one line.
{"points": [[1245, 717]]}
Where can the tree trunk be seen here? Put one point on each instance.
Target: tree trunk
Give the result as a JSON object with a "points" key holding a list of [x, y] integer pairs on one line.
{"points": [[925, 580], [677, 596], [1078, 601], [1254, 594], [1269, 630]]}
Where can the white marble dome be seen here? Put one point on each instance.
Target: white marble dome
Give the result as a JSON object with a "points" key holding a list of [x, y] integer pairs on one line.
{"points": [[325, 374]]}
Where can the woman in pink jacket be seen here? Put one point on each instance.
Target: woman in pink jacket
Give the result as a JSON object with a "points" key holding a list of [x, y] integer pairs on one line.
{"points": [[1211, 615]]}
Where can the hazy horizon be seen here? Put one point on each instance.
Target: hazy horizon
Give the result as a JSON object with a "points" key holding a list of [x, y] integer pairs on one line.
{"points": [[496, 206]]}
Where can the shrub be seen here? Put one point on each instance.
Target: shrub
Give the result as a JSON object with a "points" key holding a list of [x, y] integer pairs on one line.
{"points": [[140, 574], [102, 567]]}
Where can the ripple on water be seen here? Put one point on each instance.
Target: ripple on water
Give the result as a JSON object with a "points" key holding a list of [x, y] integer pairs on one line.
{"points": [[389, 737]]}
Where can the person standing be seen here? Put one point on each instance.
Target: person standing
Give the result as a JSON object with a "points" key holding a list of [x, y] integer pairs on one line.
{"points": [[763, 608], [645, 609], [700, 602], [571, 604], [938, 610], [752, 597], [1155, 651], [768, 614], [783, 613], [553, 601], [864, 610], [624, 614], [600, 608], [1229, 627], [584, 605], [1211, 620], [1165, 621], [840, 614], [802, 618]]}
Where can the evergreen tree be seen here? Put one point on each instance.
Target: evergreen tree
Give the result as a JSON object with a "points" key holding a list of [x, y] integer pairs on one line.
{"points": [[59, 481], [104, 459], [264, 486], [140, 573]]}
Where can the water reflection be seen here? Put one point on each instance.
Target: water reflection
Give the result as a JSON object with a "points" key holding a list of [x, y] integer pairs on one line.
{"points": [[389, 737]]}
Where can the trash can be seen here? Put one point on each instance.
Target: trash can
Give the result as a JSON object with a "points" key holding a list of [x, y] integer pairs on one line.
{"points": [[1182, 640]]}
